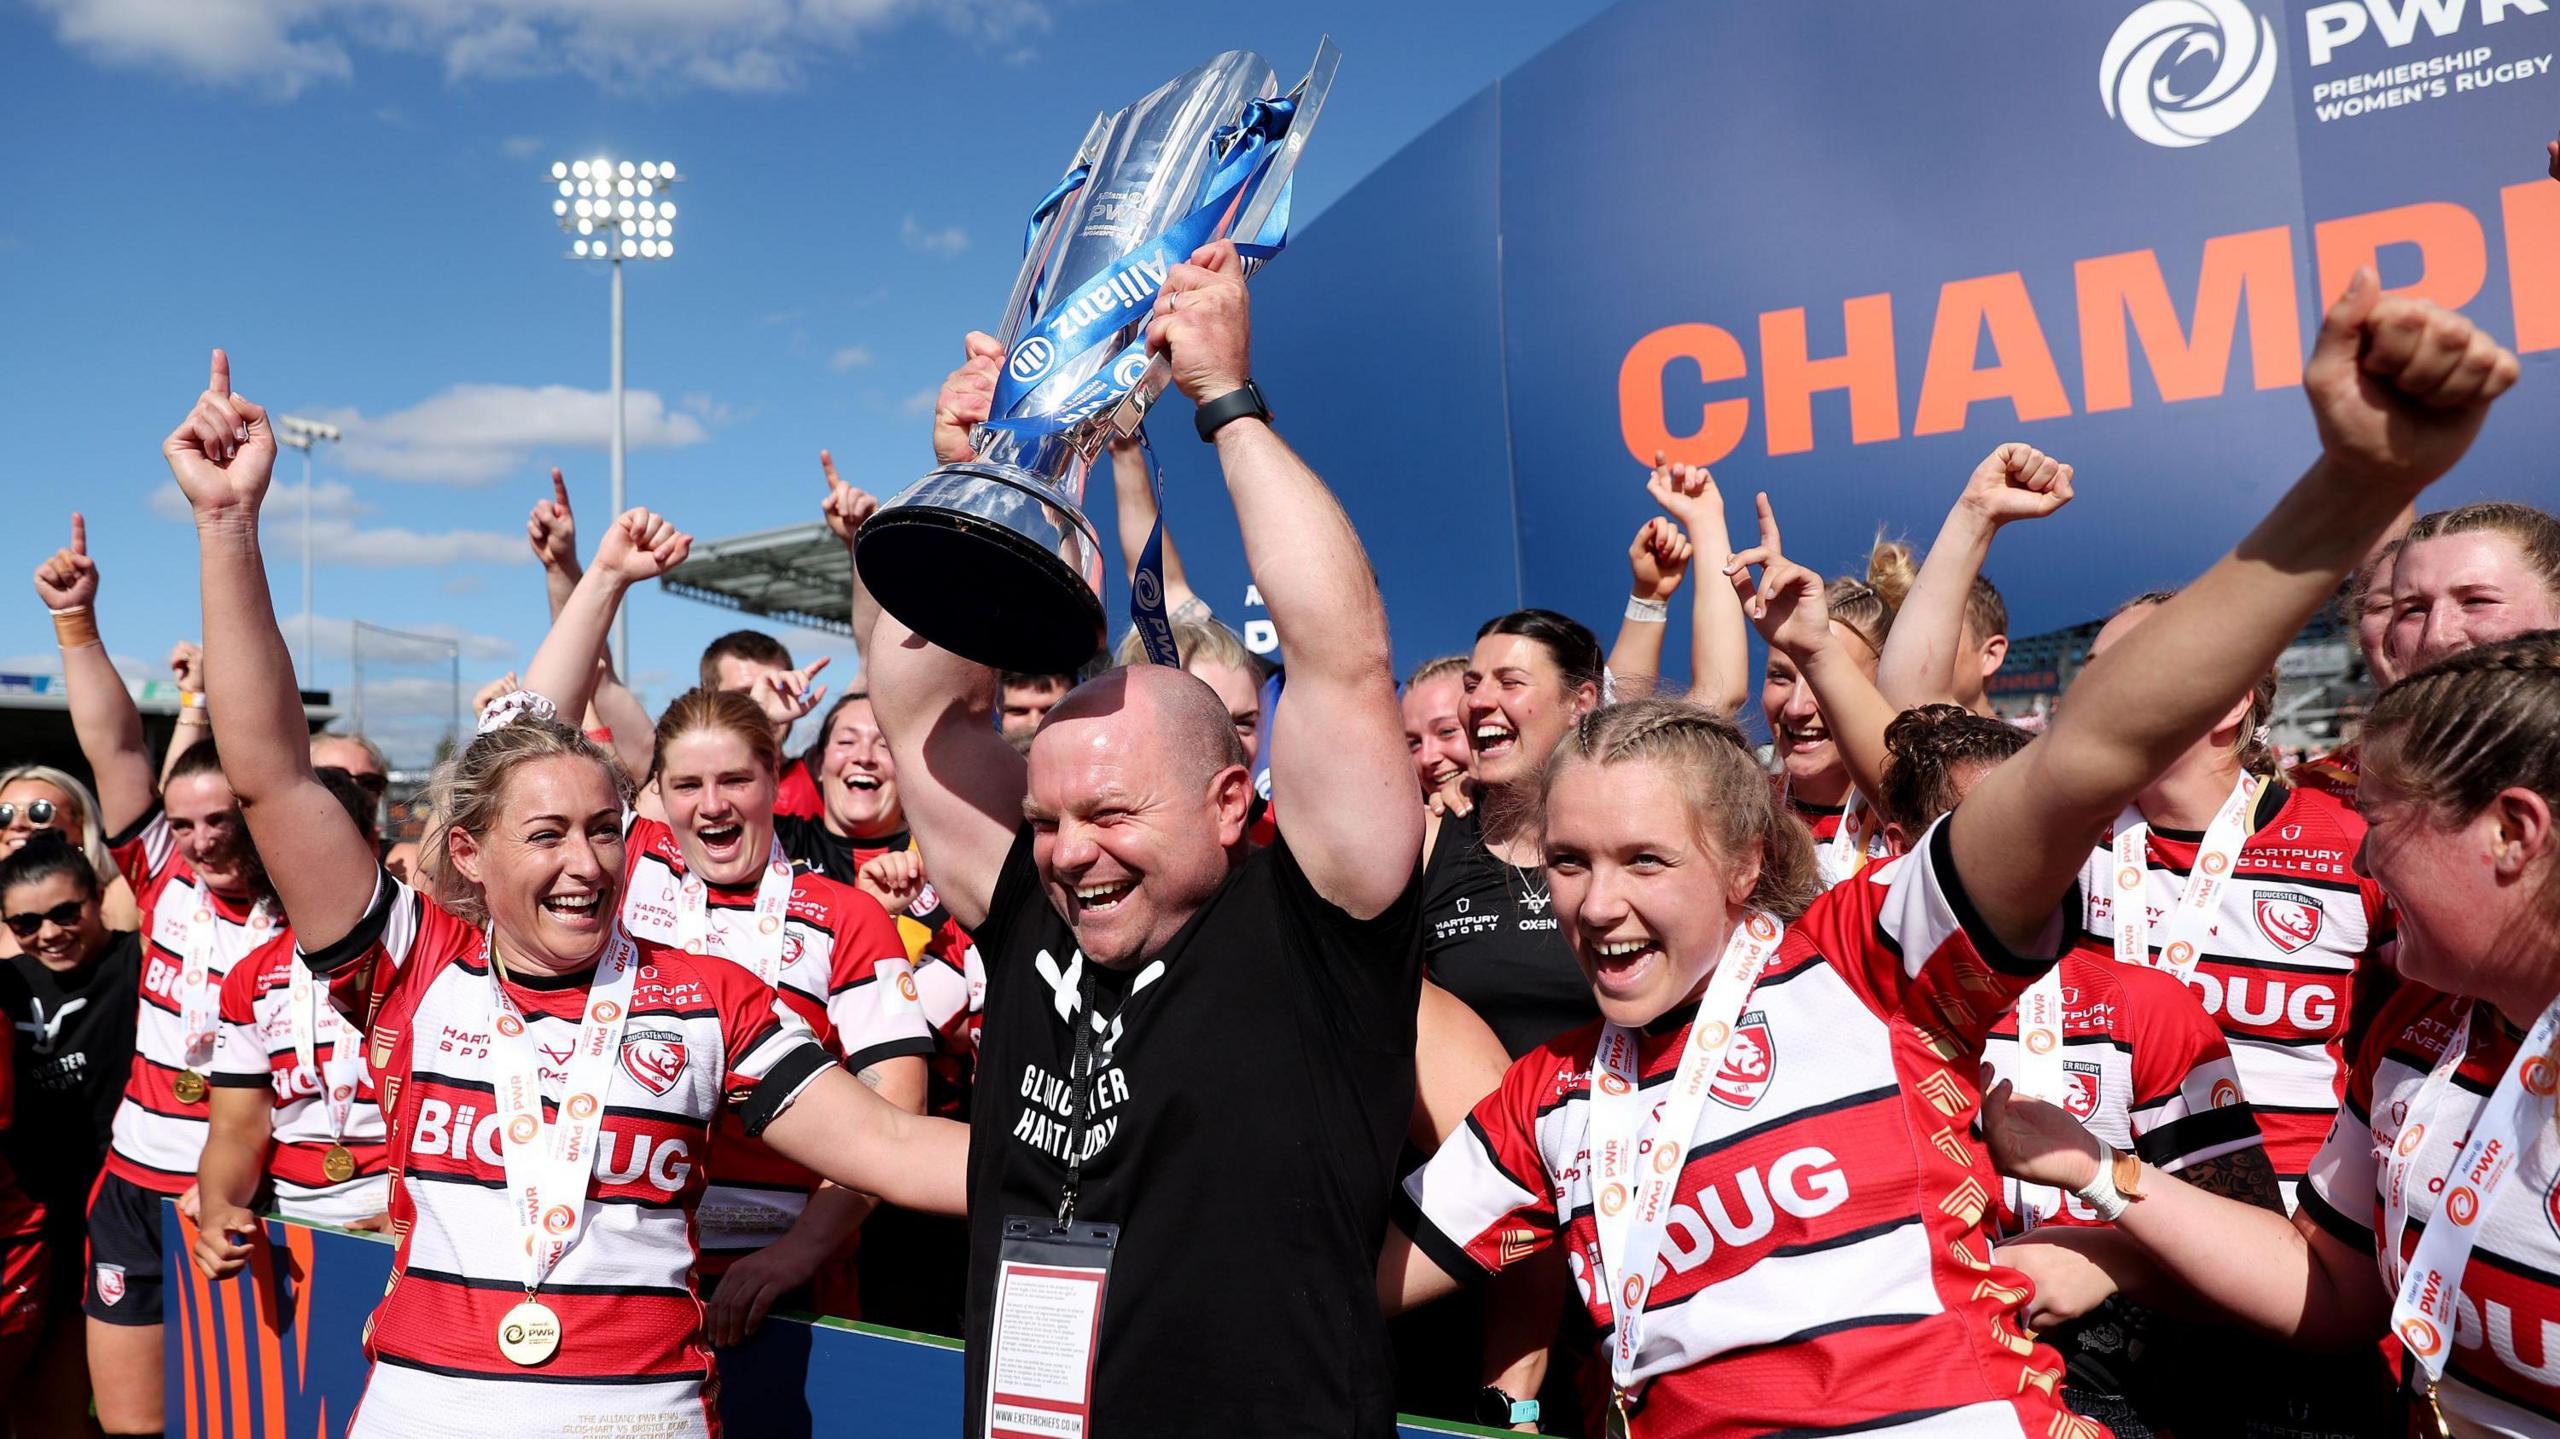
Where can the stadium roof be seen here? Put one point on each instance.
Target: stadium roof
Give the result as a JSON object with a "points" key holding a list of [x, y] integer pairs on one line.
{"points": [[799, 574]]}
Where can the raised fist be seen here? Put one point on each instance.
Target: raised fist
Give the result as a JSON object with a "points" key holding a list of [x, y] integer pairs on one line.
{"points": [[846, 506], [224, 452], [69, 579], [186, 667], [642, 545], [494, 691], [1658, 560], [968, 397], [894, 879], [1204, 324], [2017, 482], [552, 530], [2399, 386]]}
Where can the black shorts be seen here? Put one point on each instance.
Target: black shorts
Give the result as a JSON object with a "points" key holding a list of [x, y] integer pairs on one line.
{"points": [[122, 1282]]}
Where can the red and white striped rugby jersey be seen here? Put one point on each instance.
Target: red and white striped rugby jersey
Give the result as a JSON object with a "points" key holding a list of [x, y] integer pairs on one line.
{"points": [[2149, 1071], [257, 1052], [844, 971], [1826, 1262], [157, 1138], [2504, 1376], [2335, 774], [702, 1035], [1824, 820], [2296, 932]]}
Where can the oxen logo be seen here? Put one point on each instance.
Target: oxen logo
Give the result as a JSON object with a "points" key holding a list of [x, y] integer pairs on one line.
{"points": [[1750, 1062], [2288, 918], [2145, 80], [1031, 358], [655, 1057]]}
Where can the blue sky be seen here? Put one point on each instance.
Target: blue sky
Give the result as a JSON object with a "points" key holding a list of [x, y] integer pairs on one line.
{"points": [[349, 195]]}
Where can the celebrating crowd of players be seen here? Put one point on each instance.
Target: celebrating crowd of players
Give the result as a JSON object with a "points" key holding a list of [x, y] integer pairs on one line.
{"points": [[1921, 1076]]}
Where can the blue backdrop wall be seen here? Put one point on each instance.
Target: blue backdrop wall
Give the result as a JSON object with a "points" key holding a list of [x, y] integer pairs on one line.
{"points": [[1841, 248]]}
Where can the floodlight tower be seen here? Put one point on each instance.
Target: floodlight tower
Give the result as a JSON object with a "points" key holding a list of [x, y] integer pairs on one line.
{"points": [[302, 434], [618, 211]]}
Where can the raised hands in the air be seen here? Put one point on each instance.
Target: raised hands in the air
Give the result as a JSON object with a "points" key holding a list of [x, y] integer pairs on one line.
{"points": [[2399, 386], [2016, 482], [186, 667], [1785, 602], [1203, 323], [1657, 560], [968, 396], [552, 530], [224, 452], [788, 697], [894, 879], [642, 545], [847, 506], [68, 579]]}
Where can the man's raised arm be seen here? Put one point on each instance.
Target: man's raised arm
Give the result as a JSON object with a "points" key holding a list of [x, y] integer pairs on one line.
{"points": [[1342, 780]]}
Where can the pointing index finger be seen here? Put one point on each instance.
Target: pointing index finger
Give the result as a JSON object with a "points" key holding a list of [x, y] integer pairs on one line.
{"points": [[220, 383], [1768, 526], [79, 534], [559, 488], [827, 462]]}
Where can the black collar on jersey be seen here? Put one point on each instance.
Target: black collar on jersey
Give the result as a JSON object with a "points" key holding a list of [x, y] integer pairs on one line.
{"points": [[1674, 1019]]}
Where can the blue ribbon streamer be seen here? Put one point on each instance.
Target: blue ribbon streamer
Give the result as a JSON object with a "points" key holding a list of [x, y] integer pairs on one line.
{"points": [[1073, 181], [1146, 587]]}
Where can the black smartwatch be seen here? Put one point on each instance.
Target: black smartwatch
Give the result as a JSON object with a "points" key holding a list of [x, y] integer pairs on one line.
{"points": [[1497, 1410], [1231, 406]]}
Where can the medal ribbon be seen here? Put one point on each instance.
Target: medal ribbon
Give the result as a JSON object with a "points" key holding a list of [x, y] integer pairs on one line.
{"points": [[763, 948], [2422, 1311], [1634, 1194], [549, 1166], [2191, 913], [199, 993], [313, 1018], [1844, 852], [2040, 1074]]}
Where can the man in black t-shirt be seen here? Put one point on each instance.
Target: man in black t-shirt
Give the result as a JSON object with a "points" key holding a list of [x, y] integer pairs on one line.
{"points": [[1224, 1037]]}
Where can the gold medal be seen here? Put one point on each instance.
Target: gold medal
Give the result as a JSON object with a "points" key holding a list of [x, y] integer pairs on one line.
{"points": [[2433, 1425], [1618, 1425], [530, 1334], [338, 1164], [190, 1087]]}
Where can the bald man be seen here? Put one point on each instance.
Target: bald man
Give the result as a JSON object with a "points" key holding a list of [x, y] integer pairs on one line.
{"points": [[1222, 1037]]}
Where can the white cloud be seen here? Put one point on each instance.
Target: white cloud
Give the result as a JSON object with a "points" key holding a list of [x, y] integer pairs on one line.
{"points": [[919, 403], [947, 241], [473, 434], [850, 357], [336, 538], [281, 47], [330, 633], [520, 147]]}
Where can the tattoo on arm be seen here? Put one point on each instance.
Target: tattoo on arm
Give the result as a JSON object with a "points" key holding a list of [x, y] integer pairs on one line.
{"points": [[2244, 1175]]}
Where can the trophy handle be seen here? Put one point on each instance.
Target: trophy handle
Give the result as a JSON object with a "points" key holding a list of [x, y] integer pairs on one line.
{"points": [[1028, 282], [1124, 418]]}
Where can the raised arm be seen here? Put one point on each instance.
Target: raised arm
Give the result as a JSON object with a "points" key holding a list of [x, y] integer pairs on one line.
{"points": [[2013, 482], [1790, 611], [1342, 782], [1657, 560], [962, 785], [639, 545], [103, 717], [193, 725], [2398, 388], [1134, 490], [1719, 639], [323, 868], [845, 508], [552, 530]]}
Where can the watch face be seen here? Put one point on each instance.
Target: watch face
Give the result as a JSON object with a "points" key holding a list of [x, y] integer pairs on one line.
{"points": [[1493, 1408]]}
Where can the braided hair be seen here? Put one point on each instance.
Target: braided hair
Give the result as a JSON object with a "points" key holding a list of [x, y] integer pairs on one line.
{"points": [[1731, 807], [1927, 753]]}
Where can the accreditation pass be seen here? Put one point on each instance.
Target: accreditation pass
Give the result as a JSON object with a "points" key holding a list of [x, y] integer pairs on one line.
{"points": [[1048, 1329]]}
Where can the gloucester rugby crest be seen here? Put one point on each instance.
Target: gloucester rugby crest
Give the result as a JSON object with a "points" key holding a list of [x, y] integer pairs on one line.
{"points": [[655, 1057], [2288, 918], [2081, 1096], [1750, 1062]]}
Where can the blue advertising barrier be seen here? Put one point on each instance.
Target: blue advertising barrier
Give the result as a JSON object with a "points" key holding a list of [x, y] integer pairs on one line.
{"points": [[276, 1352]]}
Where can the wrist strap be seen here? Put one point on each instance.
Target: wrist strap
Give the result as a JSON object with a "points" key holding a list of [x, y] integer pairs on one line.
{"points": [[2101, 1193], [1648, 612], [75, 628], [1234, 405]]}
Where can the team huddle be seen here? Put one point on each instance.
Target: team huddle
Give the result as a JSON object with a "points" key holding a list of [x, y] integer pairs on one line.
{"points": [[1920, 1075]]}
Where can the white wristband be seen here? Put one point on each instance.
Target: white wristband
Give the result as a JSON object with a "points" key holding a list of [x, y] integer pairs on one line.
{"points": [[1648, 612], [2101, 1194]]}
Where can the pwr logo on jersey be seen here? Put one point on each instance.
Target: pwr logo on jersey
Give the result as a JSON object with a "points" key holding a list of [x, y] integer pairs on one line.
{"points": [[1750, 1062], [2289, 918], [655, 1057]]}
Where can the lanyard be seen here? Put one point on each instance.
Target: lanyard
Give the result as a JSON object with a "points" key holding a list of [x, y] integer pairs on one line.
{"points": [[1081, 1064], [1634, 1193], [549, 1166], [2191, 913], [312, 1018], [773, 900], [1847, 847], [199, 993], [2040, 1075], [2422, 1310]]}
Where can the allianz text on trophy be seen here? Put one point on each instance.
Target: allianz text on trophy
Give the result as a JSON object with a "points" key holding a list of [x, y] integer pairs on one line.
{"points": [[993, 558]]}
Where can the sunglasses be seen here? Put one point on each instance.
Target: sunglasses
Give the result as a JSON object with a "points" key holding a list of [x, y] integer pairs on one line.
{"points": [[374, 785], [38, 812], [65, 915]]}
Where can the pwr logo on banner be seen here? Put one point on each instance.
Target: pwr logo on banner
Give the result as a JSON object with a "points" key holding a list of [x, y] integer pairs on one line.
{"points": [[2137, 76]]}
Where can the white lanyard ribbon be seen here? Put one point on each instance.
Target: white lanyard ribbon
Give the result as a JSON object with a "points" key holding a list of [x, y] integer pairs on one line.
{"points": [[549, 1166], [763, 944], [314, 1018], [2040, 1075], [2422, 1311], [2191, 913], [1634, 1193], [199, 992], [1847, 845]]}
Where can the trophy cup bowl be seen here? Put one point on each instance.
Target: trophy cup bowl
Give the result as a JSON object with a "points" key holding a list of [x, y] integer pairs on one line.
{"points": [[992, 557]]}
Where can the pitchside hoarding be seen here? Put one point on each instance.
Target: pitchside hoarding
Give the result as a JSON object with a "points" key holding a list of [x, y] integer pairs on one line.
{"points": [[1839, 250]]}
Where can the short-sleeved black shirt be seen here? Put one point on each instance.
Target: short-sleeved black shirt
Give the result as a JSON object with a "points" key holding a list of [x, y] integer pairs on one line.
{"points": [[1253, 1087], [1490, 932], [74, 1052]]}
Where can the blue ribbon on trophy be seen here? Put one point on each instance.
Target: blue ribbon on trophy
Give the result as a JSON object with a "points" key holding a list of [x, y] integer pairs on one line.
{"points": [[1209, 154], [1146, 586]]}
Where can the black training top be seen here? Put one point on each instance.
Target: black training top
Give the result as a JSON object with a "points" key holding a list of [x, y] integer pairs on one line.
{"points": [[1490, 932], [1252, 1088], [74, 1052]]}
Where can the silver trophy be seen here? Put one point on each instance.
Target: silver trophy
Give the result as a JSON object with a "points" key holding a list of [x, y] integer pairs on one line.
{"points": [[993, 558]]}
